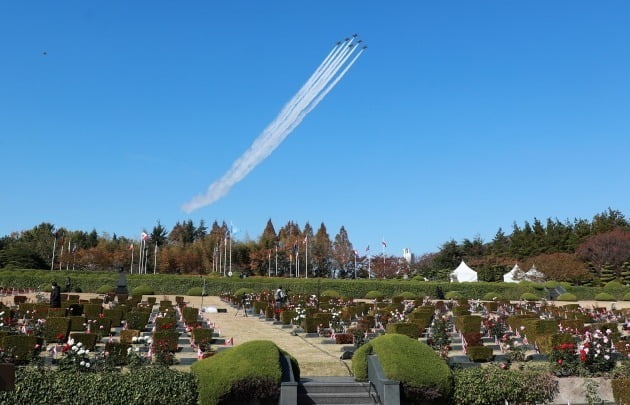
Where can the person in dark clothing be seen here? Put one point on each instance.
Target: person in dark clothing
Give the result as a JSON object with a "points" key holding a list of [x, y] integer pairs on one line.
{"points": [[68, 284], [55, 296]]}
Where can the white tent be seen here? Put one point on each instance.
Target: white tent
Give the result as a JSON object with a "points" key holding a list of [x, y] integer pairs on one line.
{"points": [[463, 273], [511, 276], [534, 275]]}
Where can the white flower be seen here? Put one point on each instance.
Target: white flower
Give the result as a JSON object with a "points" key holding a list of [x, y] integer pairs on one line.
{"points": [[82, 363], [87, 351], [87, 365], [137, 349], [71, 341], [75, 348], [607, 357], [1, 313], [134, 339], [79, 344], [81, 352], [129, 350]]}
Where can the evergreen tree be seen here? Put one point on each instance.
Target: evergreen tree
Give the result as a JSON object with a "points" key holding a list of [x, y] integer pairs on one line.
{"points": [[625, 273], [500, 244], [158, 234], [322, 248], [343, 252]]}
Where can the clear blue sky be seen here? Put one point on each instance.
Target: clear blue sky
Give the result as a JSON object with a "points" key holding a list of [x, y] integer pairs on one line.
{"points": [[460, 118]]}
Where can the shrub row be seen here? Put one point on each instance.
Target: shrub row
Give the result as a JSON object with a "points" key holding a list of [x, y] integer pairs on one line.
{"points": [[215, 285], [150, 385]]}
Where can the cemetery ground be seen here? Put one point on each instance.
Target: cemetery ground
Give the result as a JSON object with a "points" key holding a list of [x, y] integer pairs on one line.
{"points": [[319, 355]]}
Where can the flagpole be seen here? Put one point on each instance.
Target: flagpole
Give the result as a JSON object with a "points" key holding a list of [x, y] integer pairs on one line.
{"points": [[269, 263], [276, 259], [155, 258], [68, 262], [225, 256], [220, 269], [52, 263], [297, 262], [230, 252], [131, 268], [61, 254], [355, 265], [140, 258], [306, 259]]}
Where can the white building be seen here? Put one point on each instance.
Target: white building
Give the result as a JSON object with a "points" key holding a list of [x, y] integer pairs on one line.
{"points": [[407, 255]]}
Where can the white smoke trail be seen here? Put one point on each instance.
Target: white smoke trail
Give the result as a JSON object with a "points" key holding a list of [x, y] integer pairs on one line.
{"points": [[323, 79]]}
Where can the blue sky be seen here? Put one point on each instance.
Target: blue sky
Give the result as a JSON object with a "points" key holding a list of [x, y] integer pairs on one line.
{"points": [[460, 118]]}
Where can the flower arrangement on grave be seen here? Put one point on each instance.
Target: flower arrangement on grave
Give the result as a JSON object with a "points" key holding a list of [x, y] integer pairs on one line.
{"points": [[75, 357], [440, 339]]}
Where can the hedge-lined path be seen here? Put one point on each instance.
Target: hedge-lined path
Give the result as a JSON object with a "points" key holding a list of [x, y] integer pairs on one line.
{"points": [[314, 357]]}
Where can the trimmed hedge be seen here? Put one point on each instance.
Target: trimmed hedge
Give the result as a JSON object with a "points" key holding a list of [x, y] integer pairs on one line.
{"points": [[143, 290], [423, 375], [408, 329], [566, 297], [513, 386], [479, 354], [529, 297], [104, 289], [87, 339], [149, 385], [196, 292], [374, 294], [22, 347], [56, 329], [137, 320], [604, 297], [243, 373]]}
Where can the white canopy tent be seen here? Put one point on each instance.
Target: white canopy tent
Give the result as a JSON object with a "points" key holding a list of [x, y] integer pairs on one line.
{"points": [[463, 273], [534, 275], [513, 275]]}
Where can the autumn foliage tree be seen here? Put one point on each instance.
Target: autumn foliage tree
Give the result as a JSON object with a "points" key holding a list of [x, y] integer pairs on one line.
{"points": [[608, 248]]}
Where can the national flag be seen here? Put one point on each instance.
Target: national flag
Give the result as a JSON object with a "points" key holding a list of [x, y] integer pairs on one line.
{"points": [[131, 247], [144, 236], [367, 249], [384, 244]]}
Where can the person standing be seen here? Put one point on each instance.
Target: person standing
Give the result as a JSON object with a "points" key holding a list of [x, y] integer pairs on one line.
{"points": [[279, 297], [55, 296], [68, 285]]}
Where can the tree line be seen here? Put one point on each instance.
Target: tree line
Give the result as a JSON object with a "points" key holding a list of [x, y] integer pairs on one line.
{"points": [[578, 251]]}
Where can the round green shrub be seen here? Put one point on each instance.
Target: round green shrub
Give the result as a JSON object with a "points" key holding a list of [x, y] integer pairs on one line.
{"points": [[196, 292], [424, 376], [626, 296], [604, 297], [372, 295], [566, 297], [453, 295], [613, 285], [407, 295], [492, 296], [529, 297], [418, 278], [565, 284], [104, 289], [538, 286], [142, 289], [242, 291], [330, 294], [551, 284]]}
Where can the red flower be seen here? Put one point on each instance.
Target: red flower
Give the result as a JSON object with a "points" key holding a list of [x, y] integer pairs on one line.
{"points": [[582, 356], [560, 361]]}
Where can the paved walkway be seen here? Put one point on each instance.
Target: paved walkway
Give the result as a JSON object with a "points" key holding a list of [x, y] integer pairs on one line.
{"points": [[314, 357]]}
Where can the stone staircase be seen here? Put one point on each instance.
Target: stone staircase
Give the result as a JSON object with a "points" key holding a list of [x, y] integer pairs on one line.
{"points": [[334, 390]]}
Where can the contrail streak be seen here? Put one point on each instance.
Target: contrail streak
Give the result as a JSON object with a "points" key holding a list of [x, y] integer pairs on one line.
{"points": [[329, 72]]}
